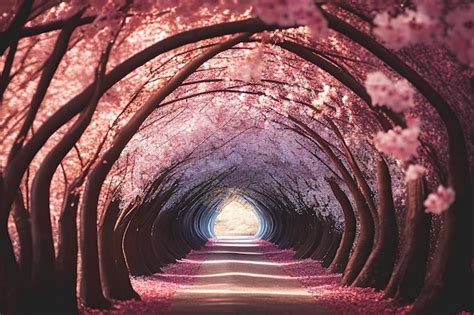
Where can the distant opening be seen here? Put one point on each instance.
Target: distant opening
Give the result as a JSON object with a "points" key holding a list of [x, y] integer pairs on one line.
{"points": [[236, 219]]}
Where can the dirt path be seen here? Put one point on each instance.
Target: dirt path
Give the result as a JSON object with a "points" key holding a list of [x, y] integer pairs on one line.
{"points": [[236, 278]]}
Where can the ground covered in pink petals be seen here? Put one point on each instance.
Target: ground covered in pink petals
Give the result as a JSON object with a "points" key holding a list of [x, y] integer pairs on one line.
{"points": [[326, 288], [157, 291]]}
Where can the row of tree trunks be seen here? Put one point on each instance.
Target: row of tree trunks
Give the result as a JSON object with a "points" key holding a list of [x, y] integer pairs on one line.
{"points": [[18, 164], [91, 292], [448, 284]]}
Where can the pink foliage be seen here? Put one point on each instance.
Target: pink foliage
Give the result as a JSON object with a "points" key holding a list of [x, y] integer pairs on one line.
{"points": [[289, 13], [414, 171], [396, 95], [400, 143], [461, 33], [326, 288], [408, 28], [157, 291], [427, 24], [251, 69], [440, 200]]}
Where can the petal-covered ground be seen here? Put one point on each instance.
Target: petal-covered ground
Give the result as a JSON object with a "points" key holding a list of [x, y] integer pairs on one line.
{"points": [[326, 288], [157, 291], [160, 292]]}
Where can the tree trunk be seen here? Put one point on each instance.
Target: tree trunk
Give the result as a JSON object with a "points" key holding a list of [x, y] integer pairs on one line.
{"points": [[135, 262], [21, 217], [110, 276], [313, 239], [409, 274], [331, 252], [339, 263], [90, 288], [379, 266], [325, 240], [122, 287], [66, 260], [9, 270]]}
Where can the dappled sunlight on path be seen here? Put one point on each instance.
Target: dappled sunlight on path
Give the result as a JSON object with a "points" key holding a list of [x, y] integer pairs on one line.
{"points": [[236, 278], [242, 275]]}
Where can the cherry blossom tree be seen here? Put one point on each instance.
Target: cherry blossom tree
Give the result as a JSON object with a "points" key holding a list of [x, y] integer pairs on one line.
{"points": [[333, 120]]}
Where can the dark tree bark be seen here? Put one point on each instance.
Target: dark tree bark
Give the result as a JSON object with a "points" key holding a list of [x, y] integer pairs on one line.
{"points": [[358, 175], [12, 33], [21, 217], [379, 266], [131, 247], [313, 239], [66, 259], [331, 252], [339, 263], [409, 274], [121, 287], [9, 270], [113, 287], [325, 240]]}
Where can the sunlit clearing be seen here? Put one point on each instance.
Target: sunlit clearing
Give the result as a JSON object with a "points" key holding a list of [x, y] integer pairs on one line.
{"points": [[236, 219]]}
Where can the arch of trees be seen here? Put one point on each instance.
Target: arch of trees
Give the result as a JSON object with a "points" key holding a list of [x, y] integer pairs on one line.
{"points": [[126, 124]]}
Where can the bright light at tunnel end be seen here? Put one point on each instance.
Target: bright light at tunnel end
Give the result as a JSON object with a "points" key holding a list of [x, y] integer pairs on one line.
{"points": [[236, 218]]}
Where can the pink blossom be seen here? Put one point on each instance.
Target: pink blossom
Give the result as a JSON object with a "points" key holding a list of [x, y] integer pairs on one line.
{"points": [[461, 33], [440, 200], [414, 171], [411, 27], [396, 95], [391, 32], [400, 143], [292, 13], [431, 7], [250, 70]]}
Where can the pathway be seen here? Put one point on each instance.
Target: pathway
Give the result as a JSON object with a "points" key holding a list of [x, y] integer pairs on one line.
{"points": [[237, 278]]}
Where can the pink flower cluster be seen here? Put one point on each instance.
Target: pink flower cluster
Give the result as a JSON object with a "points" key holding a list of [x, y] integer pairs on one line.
{"points": [[250, 70], [440, 200], [408, 28], [400, 143], [292, 13], [325, 287], [414, 171], [461, 33], [396, 95], [427, 24]]}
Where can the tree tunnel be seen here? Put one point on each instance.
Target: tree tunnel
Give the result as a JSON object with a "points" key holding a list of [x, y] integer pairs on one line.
{"points": [[336, 137]]}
